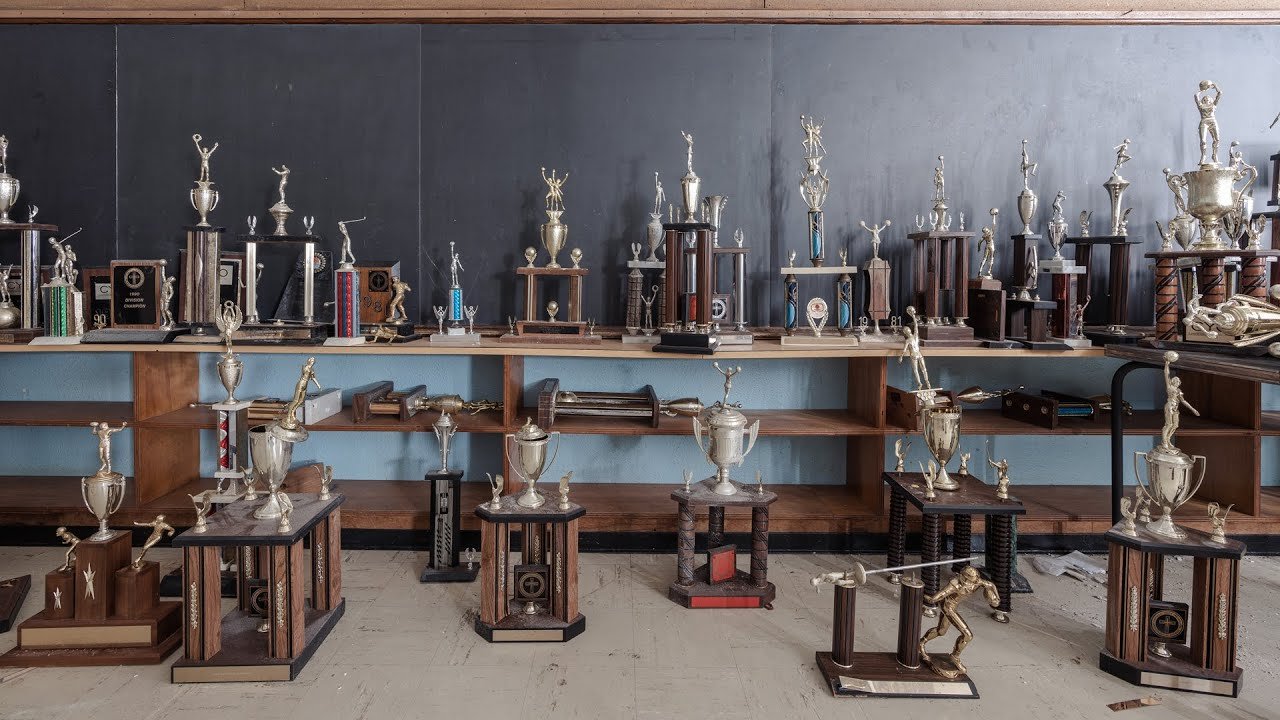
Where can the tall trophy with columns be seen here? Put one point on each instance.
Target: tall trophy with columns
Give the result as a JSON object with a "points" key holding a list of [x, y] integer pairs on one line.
{"points": [[447, 563]]}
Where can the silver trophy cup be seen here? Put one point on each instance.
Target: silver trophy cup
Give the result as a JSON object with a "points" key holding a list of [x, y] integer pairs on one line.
{"points": [[1169, 484], [530, 460], [9, 187], [102, 493], [942, 437], [724, 429], [204, 199], [271, 455]]}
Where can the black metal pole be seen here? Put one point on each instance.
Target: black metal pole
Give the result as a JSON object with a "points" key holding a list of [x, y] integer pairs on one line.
{"points": [[1117, 434]]}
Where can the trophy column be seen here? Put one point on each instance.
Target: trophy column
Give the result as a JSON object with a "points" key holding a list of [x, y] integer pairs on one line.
{"points": [[29, 237], [200, 290], [346, 318]]}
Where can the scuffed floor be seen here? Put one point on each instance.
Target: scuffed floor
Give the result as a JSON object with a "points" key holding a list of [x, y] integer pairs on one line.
{"points": [[406, 650]]}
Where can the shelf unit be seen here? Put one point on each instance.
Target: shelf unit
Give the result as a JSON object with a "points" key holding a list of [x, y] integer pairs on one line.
{"points": [[167, 446]]}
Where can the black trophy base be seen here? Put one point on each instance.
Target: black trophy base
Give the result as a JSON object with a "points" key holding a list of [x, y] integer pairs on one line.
{"points": [[1105, 335], [878, 674], [689, 343], [13, 592], [1000, 344], [392, 332], [1040, 344], [128, 336], [459, 574], [539, 627], [1205, 347], [1173, 673]]}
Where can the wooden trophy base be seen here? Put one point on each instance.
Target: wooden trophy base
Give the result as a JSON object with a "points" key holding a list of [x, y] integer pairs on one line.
{"points": [[243, 658], [688, 343], [948, 336], [878, 674], [270, 333], [738, 592], [19, 336], [135, 336], [144, 640], [539, 627], [551, 332], [1175, 673], [13, 592]]}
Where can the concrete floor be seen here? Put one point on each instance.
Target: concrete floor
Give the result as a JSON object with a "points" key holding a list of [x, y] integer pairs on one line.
{"points": [[406, 650]]}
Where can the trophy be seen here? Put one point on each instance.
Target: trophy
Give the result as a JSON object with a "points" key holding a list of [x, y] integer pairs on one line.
{"points": [[346, 293], [203, 197], [530, 460], [271, 455], [941, 426], [725, 428], [444, 428], [690, 184], [1116, 186], [653, 231], [1027, 198], [281, 210], [455, 333], [814, 185], [1210, 190], [9, 184], [230, 367], [554, 233], [103, 492], [63, 303], [1169, 470]]}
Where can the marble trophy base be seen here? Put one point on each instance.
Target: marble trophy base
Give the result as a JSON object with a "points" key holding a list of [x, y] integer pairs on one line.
{"points": [[139, 336], [884, 337], [640, 339], [1079, 343], [878, 674], [449, 337], [830, 338], [56, 340], [345, 341], [735, 337]]}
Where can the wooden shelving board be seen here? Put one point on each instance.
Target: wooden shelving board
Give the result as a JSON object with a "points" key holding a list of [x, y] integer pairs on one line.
{"points": [[786, 423], [616, 507], [201, 417], [1141, 422], [46, 413]]}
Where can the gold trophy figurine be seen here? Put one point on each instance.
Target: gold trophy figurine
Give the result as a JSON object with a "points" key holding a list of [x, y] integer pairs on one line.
{"points": [[960, 587], [1002, 478], [495, 486], [964, 463], [1130, 515], [326, 483], [901, 447], [159, 528], [204, 503], [564, 491], [1218, 523], [289, 418], [71, 541]]}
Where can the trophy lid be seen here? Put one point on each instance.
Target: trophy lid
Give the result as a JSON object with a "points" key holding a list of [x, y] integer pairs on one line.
{"points": [[294, 435], [530, 432], [723, 416]]}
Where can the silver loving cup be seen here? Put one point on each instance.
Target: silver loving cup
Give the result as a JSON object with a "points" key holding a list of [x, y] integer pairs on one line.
{"points": [[942, 437], [9, 187], [230, 370], [690, 185], [444, 428], [530, 460], [714, 205], [102, 493], [1168, 484], [271, 456], [724, 429], [554, 236], [1211, 195], [1027, 209], [653, 235], [204, 199]]}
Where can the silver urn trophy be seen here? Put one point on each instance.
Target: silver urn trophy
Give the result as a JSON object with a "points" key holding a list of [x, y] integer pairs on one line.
{"points": [[1027, 199], [271, 454], [554, 232], [690, 183], [530, 460], [1210, 190], [9, 185], [942, 436], [1169, 477], [724, 428], [444, 428], [230, 366], [103, 492]]}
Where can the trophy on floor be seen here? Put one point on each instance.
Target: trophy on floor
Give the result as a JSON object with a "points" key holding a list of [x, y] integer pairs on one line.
{"points": [[640, 325], [346, 293], [1169, 473], [446, 530], [271, 446], [909, 672], [63, 301], [201, 291], [455, 333], [554, 233]]}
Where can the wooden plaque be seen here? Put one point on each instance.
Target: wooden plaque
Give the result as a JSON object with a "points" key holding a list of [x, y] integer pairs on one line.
{"points": [[96, 286], [376, 280]]}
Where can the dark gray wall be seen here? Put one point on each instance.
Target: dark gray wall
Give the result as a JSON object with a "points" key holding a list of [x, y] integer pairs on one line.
{"points": [[437, 132]]}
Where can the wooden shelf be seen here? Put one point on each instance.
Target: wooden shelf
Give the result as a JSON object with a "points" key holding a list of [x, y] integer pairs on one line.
{"points": [[46, 413], [202, 417], [1271, 423], [1142, 422], [782, 423]]}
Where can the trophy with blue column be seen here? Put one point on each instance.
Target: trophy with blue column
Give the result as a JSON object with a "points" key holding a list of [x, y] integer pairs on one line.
{"points": [[814, 184], [455, 333]]}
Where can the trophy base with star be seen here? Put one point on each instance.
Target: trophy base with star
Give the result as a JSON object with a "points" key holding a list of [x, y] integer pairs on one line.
{"points": [[100, 608]]}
